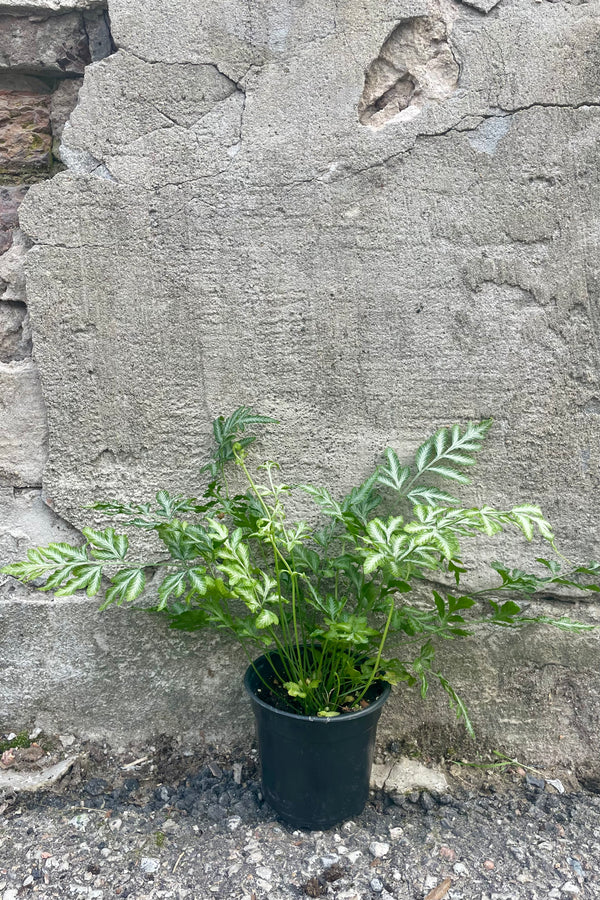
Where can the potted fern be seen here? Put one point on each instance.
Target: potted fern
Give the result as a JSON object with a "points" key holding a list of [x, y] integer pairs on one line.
{"points": [[325, 605]]}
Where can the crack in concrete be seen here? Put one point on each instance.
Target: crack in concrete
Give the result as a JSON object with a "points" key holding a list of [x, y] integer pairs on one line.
{"points": [[185, 62], [481, 117]]}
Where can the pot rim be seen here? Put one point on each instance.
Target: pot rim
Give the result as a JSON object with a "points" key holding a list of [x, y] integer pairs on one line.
{"points": [[325, 720]]}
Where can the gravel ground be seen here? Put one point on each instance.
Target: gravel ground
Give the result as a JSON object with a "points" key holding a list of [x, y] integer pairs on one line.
{"points": [[157, 823]]}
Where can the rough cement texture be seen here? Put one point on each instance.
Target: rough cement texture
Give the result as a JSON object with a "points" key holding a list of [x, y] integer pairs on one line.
{"points": [[367, 219], [88, 672], [22, 424]]}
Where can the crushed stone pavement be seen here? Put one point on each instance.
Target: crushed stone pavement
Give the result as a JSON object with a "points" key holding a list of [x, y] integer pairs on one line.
{"points": [[201, 831]]}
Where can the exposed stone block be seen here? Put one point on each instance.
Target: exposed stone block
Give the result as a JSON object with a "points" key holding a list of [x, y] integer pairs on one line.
{"points": [[50, 6], [62, 104], [56, 45], [12, 268], [25, 132], [98, 34], [23, 432], [10, 200]]}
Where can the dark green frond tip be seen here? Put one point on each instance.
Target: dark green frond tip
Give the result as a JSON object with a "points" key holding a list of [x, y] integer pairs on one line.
{"points": [[227, 433], [224, 429]]}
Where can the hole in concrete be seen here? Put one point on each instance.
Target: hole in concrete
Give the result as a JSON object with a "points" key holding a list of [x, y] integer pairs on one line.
{"points": [[415, 65]]}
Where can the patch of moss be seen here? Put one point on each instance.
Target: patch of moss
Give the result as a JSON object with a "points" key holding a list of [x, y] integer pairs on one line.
{"points": [[21, 740]]}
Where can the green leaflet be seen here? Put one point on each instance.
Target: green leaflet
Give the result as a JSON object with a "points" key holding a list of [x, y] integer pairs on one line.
{"points": [[107, 544], [173, 585], [127, 586], [457, 704], [266, 619], [324, 500], [393, 474], [197, 579]]}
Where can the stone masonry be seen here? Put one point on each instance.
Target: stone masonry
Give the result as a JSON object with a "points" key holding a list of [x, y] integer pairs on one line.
{"points": [[368, 219]]}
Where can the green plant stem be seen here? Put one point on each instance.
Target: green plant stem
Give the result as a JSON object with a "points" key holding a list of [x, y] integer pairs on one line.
{"points": [[379, 653], [277, 556], [294, 616]]}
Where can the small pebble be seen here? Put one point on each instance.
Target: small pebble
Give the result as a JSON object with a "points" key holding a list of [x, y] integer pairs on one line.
{"points": [[427, 801], [488, 864], [378, 849], [534, 781], [570, 889], [460, 869], [264, 872], [149, 865], [376, 885], [576, 866]]}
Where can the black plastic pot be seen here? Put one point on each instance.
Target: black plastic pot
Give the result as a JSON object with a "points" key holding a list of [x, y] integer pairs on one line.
{"points": [[315, 771]]}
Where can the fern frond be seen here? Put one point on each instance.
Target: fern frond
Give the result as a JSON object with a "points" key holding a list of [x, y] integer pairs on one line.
{"points": [[445, 454]]}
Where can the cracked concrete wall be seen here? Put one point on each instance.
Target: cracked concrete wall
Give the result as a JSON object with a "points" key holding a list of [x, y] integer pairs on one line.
{"points": [[231, 227]]}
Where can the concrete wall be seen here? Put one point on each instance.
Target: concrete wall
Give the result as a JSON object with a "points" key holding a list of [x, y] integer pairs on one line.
{"points": [[367, 219]]}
